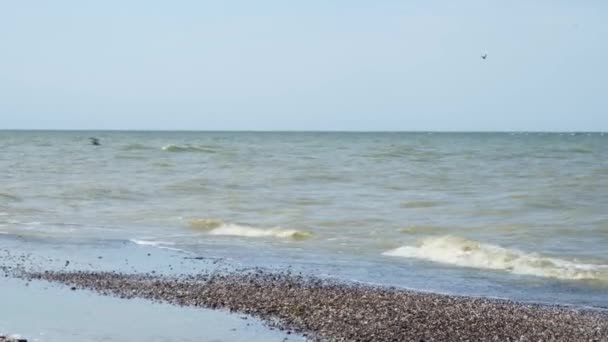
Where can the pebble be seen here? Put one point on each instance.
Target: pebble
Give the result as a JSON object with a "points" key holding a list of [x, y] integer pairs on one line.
{"points": [[340, 311]]}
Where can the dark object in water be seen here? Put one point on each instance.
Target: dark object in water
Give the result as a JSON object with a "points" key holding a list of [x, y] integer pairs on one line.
{"points": [[11, 339], [484, 56], [95, 141]]}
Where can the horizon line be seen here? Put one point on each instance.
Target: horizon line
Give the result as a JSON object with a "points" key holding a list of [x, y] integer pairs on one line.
{"points": [[286, 131]]}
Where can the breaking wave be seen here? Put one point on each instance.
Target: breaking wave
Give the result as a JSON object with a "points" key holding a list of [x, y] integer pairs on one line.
{"points": [[206, 223], [462, 252], [219, 227], [189, 148]]}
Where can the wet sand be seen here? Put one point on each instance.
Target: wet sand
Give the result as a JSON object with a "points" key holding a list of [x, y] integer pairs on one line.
{"points": [[339, 311], [47, 312]]}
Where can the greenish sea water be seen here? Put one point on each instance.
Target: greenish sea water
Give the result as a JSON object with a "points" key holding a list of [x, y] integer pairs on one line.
{"points": [[517, 215]]}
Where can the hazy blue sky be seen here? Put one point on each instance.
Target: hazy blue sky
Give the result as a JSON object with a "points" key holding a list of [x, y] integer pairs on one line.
{"points": [[309, 65]]}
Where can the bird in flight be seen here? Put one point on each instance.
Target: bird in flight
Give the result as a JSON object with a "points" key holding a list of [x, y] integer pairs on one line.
{"points": [[484, 56]]}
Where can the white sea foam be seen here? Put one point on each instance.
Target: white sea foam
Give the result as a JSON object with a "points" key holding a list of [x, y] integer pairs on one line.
{"points": [[157, 244], [151, 242], [189, 148], [219, 227], [239, 230], [469, 253]]}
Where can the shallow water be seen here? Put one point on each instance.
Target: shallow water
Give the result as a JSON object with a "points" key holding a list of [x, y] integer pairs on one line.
{"points": [[43, 312], [495, 214]]}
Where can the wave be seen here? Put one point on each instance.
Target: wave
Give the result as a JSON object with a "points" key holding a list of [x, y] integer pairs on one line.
{"points": [[412, 153], [157, 244], [401, 151], [151, 242], [417, 204], [189, 148], [9, 197], [219, 227], [581, 149], [206, 223], [508, 229], [311, 201], [462, 252], [421, 229], [320, 176], [162, 164], [195, 185], [238, 230], [136, 147], [98, 192]]}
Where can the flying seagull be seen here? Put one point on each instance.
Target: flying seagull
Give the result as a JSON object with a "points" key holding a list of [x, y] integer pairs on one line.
{"points": [[94, 141], [484, 56]]}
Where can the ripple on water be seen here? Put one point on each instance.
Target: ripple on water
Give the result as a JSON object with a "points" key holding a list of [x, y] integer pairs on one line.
{"points": [[191, 148], [418, 204], [8, 197]]}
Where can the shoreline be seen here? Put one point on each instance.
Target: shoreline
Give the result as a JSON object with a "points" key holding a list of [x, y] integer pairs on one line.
{"points": [[279, 304], [321, 309]]}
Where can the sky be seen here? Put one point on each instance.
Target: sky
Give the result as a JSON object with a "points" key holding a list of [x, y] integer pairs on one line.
{"points": [[304, 65]]}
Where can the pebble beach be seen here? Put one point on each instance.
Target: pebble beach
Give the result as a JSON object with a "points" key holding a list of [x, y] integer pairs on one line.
{"points": [[323, 310]]}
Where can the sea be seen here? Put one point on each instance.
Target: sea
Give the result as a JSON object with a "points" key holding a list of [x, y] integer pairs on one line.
{"points": [[517, 215]]}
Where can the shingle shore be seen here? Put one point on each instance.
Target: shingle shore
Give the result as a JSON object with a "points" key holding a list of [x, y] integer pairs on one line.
{"points": [[336, 311]]}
